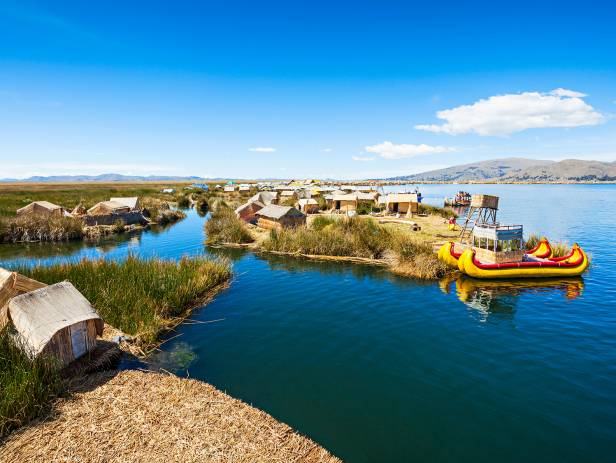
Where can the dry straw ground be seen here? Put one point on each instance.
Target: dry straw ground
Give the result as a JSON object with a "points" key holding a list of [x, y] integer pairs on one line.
{"points": [[136, 416]]}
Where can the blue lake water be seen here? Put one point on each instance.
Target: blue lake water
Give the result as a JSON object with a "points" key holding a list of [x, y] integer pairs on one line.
{"points": [[380, 368]]}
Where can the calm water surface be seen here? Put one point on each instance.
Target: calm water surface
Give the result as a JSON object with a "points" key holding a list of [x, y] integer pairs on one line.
{"points": [[380, 368]]}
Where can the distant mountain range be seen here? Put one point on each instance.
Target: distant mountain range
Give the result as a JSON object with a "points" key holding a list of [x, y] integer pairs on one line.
{"points": [[520, 170], [103, 178]]}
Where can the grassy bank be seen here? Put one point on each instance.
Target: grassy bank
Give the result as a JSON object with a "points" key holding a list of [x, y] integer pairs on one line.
{"points": [[26, 386], [224, 227], [139, 296], [357, 237], [38, 228]]}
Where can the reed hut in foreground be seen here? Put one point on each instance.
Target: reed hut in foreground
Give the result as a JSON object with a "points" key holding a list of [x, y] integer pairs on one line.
{"points": [[273, 216], [42, 208], [55, 320]]}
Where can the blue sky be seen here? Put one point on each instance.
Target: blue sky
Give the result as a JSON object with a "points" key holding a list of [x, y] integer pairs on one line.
{"points": [[301, 89]]}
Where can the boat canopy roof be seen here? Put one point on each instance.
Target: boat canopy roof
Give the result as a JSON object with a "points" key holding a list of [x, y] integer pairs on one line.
{"points": [[496, 231]]}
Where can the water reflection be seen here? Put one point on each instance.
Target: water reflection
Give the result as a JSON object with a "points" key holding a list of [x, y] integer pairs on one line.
{"points": [[498, 299], [45, 250], [175, 360], [300, 264]]}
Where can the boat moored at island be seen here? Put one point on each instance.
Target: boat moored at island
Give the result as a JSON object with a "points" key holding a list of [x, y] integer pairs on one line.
{"points": [[494, 251]]}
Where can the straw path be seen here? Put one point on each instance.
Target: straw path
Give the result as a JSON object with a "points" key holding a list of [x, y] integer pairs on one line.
{"points": [[138, 416]]}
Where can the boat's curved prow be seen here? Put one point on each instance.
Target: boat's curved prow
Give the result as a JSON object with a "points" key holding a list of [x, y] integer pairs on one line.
{"points": [[447, 254], [542, 250]]}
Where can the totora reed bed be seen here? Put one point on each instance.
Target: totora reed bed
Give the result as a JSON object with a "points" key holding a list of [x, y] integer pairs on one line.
{"points": [[142, 416]]}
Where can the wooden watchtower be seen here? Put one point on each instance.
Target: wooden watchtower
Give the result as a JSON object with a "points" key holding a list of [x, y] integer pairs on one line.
{"points": [[483, 209]]}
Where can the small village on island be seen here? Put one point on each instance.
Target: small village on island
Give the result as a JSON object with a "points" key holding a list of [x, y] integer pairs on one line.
{"points": [[307, 232], [308, 219]]}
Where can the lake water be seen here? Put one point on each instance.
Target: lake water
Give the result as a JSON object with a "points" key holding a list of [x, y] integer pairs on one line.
{"points": [[380, 368]]}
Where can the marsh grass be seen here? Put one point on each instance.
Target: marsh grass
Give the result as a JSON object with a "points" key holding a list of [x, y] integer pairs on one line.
{"points": [[532, 241], [444, 212], [225, 227], [26, 386], [40, 228], [138, 296], [416, 258], [349, 236]]}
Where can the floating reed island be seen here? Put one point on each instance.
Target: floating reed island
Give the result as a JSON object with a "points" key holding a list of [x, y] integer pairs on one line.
{"points": [[43, 220], [391, 243]]}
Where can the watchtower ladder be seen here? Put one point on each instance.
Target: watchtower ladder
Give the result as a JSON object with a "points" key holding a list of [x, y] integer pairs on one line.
{"points": [[483, 209]]}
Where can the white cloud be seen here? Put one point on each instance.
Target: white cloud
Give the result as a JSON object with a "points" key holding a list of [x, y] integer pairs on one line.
{"points": [[506, 114], [568, 93], [262, 149], [326, 150], [389, 150], [362, 158]]}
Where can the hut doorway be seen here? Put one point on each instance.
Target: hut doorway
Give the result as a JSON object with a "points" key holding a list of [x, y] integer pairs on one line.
{"points": [[395, 208], [337, 205]]}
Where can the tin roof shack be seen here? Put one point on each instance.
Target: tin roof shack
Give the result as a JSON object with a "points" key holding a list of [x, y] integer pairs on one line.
{"points": [[130, 202], [55, 320], [495, 244], [265, 197], [13, 284], [247, 211], [273, 216], [309, 206], [342, 202], [43, 208], [402, 203]]}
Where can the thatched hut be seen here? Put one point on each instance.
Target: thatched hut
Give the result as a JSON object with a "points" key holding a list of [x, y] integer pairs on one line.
{"points": [[43, 208], [342, 202], [108, 207], [288, 194], [55, 320], [402, 203], [308, 206], [229, 189], [273, 216], [131, 202], [265, 197], [247, 211]]}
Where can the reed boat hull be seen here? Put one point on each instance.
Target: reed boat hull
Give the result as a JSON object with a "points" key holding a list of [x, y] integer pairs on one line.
{"points": [[572, 265]]}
